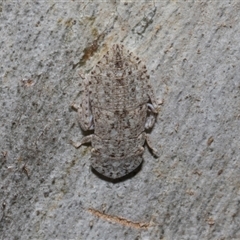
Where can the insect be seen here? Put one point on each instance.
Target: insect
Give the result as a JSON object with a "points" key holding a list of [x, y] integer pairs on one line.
{"points": [[119, 105]]}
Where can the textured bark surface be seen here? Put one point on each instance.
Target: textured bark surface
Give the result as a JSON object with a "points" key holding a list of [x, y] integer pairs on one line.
{"points": [[192, 191]]}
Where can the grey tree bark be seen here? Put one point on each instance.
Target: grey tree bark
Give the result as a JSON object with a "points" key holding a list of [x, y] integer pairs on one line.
{"points": [[47, 190]]}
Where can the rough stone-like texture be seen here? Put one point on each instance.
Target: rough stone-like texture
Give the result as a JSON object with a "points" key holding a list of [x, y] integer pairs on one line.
{"points": [[192, 191]]}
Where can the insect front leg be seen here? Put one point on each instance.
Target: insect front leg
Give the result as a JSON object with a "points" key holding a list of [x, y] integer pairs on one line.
{"points": [[153, 108], [148, 141], [154, 104], [84, 114], [84, 109], [84, 140], [151, 117]]}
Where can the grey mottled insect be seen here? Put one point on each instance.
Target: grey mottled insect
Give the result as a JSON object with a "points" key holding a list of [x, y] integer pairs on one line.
{"points": [[118, 104]]}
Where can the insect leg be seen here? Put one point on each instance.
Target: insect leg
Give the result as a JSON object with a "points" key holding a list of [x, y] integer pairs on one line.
{"points": [[155, 152], [84, 110], [84, 140]]}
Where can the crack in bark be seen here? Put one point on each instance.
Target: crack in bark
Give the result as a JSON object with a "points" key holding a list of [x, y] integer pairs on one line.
{"points": [[119, 220]]}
